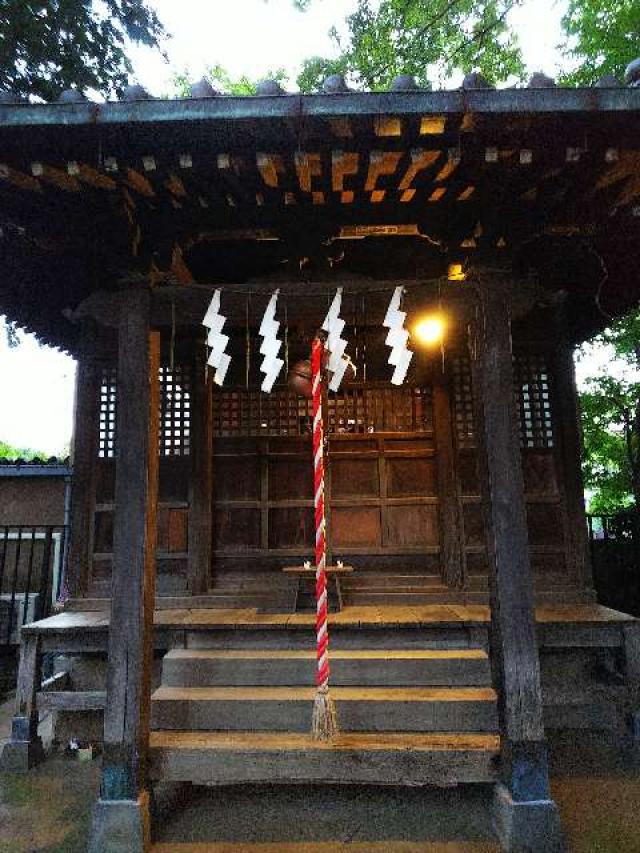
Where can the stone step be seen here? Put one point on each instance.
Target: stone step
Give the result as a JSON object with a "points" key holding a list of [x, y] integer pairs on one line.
{"points": [[365, 758], [384, 667], [416, 709]]}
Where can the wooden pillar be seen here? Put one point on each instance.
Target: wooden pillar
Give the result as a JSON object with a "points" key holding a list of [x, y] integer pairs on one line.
{"points": [[84, 461], [567, 423], [24, 750], [122, 813], [201, 479], [450, 520], [526, 817]]}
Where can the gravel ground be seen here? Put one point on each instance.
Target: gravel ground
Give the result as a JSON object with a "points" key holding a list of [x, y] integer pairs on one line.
{"points": [[595, 783]]}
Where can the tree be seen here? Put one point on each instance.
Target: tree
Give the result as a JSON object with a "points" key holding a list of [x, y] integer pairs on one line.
{"points": [[603, 36], [50, 45], [611, 423], [221, 80], [7, 451], [425, 38]]}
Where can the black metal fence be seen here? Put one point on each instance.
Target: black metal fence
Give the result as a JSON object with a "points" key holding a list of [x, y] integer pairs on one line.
{"points": [[31, 572], [615, 555]]}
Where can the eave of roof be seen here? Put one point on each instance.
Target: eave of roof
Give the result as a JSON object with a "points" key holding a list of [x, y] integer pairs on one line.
{"points": [[225, 108]]}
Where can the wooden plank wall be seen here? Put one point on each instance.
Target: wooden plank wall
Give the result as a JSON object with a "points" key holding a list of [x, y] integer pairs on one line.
{"points": [[384, 499], [390, 504]]}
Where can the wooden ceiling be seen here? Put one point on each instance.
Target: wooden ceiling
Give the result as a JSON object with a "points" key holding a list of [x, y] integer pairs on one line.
{"points": [[375, 186]]}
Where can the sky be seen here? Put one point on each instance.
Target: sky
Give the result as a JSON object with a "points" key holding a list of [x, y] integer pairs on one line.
{"points": [[248, 37]]}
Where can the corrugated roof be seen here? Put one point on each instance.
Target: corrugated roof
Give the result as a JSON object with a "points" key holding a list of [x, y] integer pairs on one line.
{"points": [[53, 466]]}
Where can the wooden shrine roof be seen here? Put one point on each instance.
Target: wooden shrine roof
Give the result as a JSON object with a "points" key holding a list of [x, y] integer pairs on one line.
{"points": [[375, 186]]}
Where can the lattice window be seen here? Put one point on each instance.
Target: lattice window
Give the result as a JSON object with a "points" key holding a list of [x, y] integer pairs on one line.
{"points": [[175, 411], [463, 401], [107, 435], [531, 379], [357, 409]]}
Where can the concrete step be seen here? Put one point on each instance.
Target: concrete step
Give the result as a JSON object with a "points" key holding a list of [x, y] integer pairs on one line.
{"points": [[383, 668], [280, 709], [365, 758]]}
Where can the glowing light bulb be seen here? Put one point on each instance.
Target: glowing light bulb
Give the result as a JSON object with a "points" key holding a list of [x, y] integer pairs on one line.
{"points": [[429, 330], [456, 272]]}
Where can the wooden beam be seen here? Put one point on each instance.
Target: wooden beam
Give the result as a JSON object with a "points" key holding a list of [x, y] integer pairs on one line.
{"points": [[201, 479], [72, 700], [567, 425], [450, 512], [84, 461], [24, 750], [513, 641], [126, 725]]}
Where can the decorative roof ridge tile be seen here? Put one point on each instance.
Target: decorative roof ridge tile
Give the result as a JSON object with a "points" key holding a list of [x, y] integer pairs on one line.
{"points": [[334, 84]]}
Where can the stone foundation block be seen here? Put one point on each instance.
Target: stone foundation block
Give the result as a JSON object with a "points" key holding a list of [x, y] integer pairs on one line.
{"points": [[121, 826], [526, 827]]}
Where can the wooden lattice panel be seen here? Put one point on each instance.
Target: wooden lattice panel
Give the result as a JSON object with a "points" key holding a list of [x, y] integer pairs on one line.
{"points": [[175, 412], [463, 401], [531, 379], [532, 401], [107, 433], [355, 409]]}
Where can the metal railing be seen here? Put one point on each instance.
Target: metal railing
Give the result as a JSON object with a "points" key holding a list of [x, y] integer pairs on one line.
{"points": [[31, 573]]}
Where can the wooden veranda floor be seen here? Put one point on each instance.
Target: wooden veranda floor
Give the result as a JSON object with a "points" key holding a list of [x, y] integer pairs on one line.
{"points": [[590, 620]]}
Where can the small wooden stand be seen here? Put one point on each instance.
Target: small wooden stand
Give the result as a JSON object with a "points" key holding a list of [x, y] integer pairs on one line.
{"points": [[305, 574]]}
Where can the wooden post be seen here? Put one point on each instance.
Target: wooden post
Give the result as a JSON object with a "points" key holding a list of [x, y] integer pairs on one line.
{"points": [[450, 521], [526, 817], [570, 434], [122, 813], [24, 750], [84, 461], [201, 479]]}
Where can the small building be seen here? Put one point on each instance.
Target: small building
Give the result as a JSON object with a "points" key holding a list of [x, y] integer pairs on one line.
{"points": [[469, 622], [34, 501], [32, 492]]}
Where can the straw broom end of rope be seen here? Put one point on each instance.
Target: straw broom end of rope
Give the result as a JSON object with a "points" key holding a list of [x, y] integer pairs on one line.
{"points": [[324, 722]]}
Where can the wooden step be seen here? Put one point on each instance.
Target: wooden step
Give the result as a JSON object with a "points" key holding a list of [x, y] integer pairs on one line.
{"points": [[377, 598], [365, 758], [379, 667], [273, 635], [386, 846], [279, 709], [370, 579]]}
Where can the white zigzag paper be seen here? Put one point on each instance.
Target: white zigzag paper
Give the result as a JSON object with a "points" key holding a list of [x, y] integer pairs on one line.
{"points": [[270, 346], [214, 321], [397, 338], [334, 325]]}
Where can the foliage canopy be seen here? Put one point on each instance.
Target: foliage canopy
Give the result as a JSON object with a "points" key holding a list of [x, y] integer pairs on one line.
{"points": [[425, 38], [47, 46], [610, 406]]}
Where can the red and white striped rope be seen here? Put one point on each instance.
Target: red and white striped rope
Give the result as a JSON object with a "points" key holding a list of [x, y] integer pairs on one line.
{"points": [[322, 634]]}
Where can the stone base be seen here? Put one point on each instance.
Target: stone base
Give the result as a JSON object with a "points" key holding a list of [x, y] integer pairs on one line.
{"points": [[120, 826], [18, 756], [526, 827], [635, 728]]}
